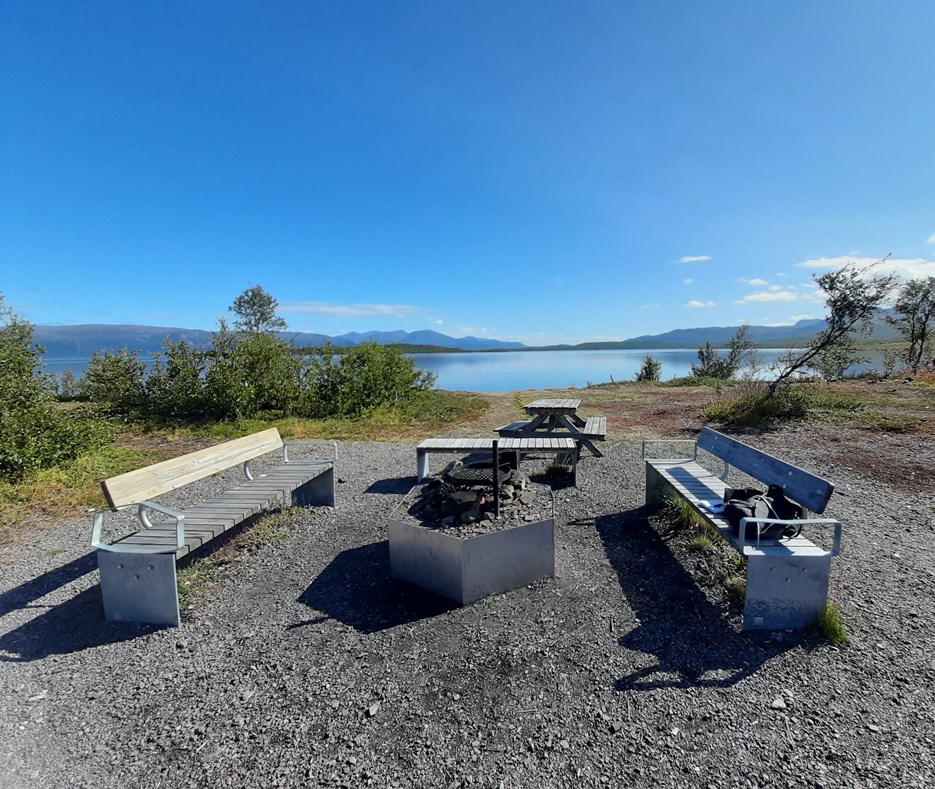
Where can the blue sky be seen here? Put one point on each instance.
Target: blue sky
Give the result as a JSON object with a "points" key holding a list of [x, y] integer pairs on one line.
{"points": [[539, 171]]}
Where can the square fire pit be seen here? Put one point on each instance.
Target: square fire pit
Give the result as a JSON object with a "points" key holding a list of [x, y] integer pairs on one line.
{"points": [[473, 554]]}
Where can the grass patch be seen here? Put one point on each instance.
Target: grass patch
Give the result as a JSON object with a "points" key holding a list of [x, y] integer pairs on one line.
{"points": [[790, 403], [60, 492], [737, 586], [556, 472], [680, 514], [830, 625], [702, 544], [196, 579], [406, 420]]}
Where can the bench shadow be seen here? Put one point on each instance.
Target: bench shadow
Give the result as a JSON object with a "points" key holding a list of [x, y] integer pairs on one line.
{"points": [[693, 640], [392, 486], [356, 588], [72, 626]]}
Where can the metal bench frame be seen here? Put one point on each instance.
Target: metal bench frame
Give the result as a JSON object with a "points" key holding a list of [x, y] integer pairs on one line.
{"points": [[788, 579]]}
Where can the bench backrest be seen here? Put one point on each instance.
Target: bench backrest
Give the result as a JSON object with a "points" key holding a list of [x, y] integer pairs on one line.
{"points": [[147, 483], [800, 486]]}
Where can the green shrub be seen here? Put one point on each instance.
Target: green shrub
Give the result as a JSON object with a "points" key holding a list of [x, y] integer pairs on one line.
{"points": [[651, 369], [367, 376], [830, 625], [755, 406], [35, 432], [175, 385], [115, 379]]}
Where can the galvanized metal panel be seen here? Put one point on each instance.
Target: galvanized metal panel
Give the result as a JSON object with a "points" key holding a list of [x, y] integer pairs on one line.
{"points": [[139, 588], [508, 559]]}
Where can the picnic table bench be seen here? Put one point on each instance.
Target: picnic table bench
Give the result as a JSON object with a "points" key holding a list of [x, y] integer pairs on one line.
{"points": [[138, 572], [787, 579], [520, 446], [552, 416]]}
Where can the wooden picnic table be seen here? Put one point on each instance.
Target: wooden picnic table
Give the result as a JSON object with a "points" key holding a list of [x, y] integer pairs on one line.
{"points": [[551, 415]]}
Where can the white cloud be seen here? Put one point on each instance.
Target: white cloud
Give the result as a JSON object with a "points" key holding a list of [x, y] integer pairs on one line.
{"points": [[777, 288], [697, 305], [902, 268], [348, 310], [756, 282], [440, 322], [793, 319], [764, 295], [654, 306], [694, 258], [931, 239], [686, 281], [782, 275]]}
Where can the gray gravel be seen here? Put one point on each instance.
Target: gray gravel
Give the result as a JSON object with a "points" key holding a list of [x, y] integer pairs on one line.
{"points": [[308, 666]]}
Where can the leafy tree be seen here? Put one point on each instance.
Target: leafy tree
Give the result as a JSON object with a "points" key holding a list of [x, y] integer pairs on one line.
{"points": [[852, 300], [913, 316], [651, 369], [714, 365], [256, 311]]}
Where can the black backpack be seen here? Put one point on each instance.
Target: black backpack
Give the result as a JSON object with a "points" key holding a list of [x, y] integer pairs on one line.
{"points": [[753, 503]]}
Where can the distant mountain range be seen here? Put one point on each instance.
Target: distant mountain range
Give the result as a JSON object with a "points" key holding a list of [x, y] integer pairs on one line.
{"points": [[81, 340]]}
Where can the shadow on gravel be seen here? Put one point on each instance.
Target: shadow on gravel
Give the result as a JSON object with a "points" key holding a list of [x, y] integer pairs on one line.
{"points": [[692, 639], [356, 589], [24, 594], [70, 627], [393, 486]]}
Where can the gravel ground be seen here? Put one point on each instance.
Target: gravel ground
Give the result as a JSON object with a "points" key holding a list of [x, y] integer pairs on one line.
{"points": [[307, 666]]}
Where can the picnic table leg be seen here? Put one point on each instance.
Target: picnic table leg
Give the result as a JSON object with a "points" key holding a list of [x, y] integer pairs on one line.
{"points": [[577, 420], [573, 431]]}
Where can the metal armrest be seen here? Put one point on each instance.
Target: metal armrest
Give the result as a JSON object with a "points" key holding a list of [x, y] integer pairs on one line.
{"points": [[144, 519], [670, 441], [835, 549]]}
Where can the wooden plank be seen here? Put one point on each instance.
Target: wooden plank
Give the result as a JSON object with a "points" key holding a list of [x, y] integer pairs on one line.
{"points": [[152, 481], [799, 485]]}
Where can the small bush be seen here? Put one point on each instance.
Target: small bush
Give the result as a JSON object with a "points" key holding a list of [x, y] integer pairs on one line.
{"points": [[702, 543], [651, 369], [114, 379], [35, 431], [830, 625]]}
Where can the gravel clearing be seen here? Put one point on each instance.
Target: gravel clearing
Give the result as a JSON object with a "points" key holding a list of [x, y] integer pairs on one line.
{"points": [[307, 665]]}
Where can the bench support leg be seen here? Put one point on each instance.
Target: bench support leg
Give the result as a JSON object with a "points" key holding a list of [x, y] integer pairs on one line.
{"points": [[656, 487], [422, 465], [785, 591], [318, 492], [139, 587]]}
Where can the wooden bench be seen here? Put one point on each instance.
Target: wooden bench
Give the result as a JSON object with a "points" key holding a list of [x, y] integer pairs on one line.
{"points": [[787, 579], [138, 572], [519, 446]]}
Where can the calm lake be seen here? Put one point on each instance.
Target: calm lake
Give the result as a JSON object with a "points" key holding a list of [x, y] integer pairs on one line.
{"points": [[506, 372]]}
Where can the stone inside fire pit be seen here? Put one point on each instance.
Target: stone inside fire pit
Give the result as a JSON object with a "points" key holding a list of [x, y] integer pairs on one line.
{"points": [[447, 538], [460, 503]]}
